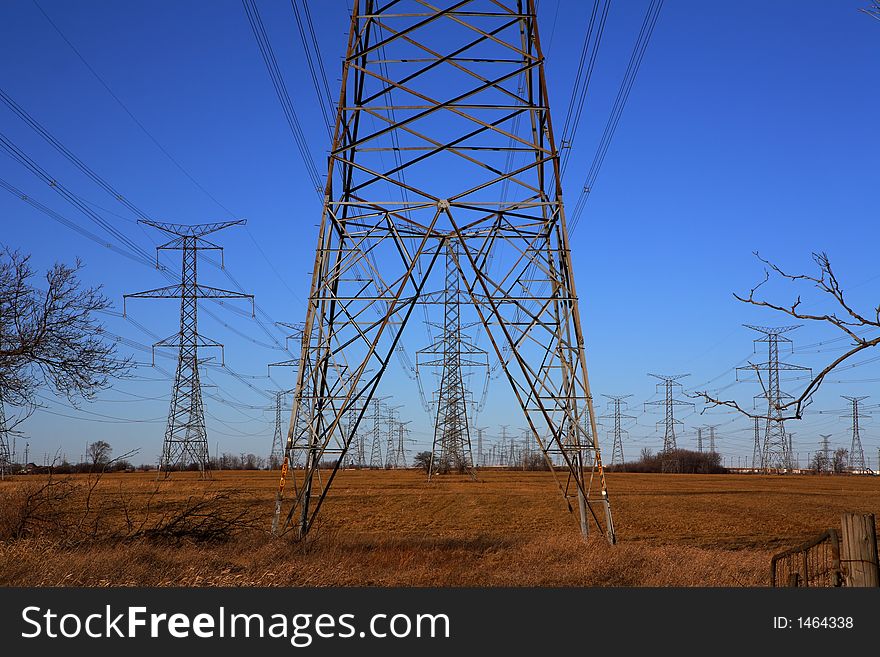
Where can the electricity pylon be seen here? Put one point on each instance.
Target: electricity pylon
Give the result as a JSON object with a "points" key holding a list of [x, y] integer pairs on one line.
{"points": [[481, 455], [856, 452], [824, 462], [451, 353], [300, 421], [186, 438], [276, 454], [776, 450], [669, 463], [757, 452], [5, 455], [376, 443], [400, 452], [617, 451], [428, 111], [711, 428], [392, 436]]}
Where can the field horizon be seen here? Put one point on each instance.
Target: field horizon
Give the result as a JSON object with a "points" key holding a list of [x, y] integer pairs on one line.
{"points": [[392, 528]]}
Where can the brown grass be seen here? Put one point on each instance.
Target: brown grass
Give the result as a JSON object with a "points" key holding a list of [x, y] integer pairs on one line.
{"points": [[394, 529]]}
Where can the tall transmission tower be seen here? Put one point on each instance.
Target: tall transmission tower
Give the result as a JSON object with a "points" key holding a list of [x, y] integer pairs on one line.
{"points": [[711, 428], [300, 421], [481, 455], [391, 423], [376, 442], [757, 459], [400, 453], [276, 454], [700, 439], [5, 454], [776, 450], [186, 438], [451, 353], [856, 452], [824, 462], [418, 169], [668, 461], [618, 404]]}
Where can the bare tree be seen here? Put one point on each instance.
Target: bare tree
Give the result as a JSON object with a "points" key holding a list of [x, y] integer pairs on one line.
{"points": [[854, 325], [49, 335], [840, 460], [99, 452], [422, 460]]}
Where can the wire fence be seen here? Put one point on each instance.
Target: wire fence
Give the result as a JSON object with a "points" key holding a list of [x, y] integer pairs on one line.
{"points": [[816, 563]]}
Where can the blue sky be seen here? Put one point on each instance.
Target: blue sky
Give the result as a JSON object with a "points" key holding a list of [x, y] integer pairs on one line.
{"points": [[750, 127]]}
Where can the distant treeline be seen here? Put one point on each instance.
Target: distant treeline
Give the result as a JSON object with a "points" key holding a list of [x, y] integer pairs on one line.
{"points": [[677, 460]]}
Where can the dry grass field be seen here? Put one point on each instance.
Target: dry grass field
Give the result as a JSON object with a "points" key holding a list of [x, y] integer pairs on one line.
{"points": [[391, 528]]}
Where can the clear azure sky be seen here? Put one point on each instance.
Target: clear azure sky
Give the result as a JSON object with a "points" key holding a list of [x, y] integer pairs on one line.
{"points": [[751, 126]]}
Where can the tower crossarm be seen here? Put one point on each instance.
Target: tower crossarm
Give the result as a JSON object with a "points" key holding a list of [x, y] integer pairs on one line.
{"points": [[191, 230]]}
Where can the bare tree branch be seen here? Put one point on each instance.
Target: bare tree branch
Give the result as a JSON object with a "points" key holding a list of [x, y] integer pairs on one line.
{"points": [[50, 337], [826, 281]]}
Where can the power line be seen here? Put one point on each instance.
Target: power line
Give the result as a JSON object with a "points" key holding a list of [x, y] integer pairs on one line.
{"points": [[125, 108], [271, 62], [579, 92], [323, 96], [623, 92]]}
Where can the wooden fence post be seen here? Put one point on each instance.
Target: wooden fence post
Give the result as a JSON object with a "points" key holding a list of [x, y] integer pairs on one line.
{"points": [[859, 550]]}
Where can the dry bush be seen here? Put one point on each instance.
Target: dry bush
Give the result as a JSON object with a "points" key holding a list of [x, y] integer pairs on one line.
{"points": [[77, 512], [213, 518], [34, 508]]}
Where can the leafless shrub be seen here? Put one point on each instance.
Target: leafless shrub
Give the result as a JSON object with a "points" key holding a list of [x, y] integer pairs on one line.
{"points": [[35, 508], [205, 519]]}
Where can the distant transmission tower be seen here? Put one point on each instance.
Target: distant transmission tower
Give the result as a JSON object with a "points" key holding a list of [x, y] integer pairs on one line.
{"points": [[400, 453], [757, 459], [392, 435], [856, 452], [700, 439], [276, 458], [276, 454], [376, 442], [711, 428], [451, 353], [5, 455], [617, 402], [481, 455], [824, 462], [668, 461], [432, 102], [776, 450], [186, 439]]}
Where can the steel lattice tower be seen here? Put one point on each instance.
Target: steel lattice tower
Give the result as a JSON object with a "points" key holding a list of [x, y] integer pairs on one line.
{"points": [[617, 451], [824, 462], [400, 453], [757, 452], [276, 454], [776, 450], [419, 167], [391, 436], [711, 428], [451, 353], [5, 454], [669, 462], [856, 452], [481, 455], [300, 422], [186, 438]]}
